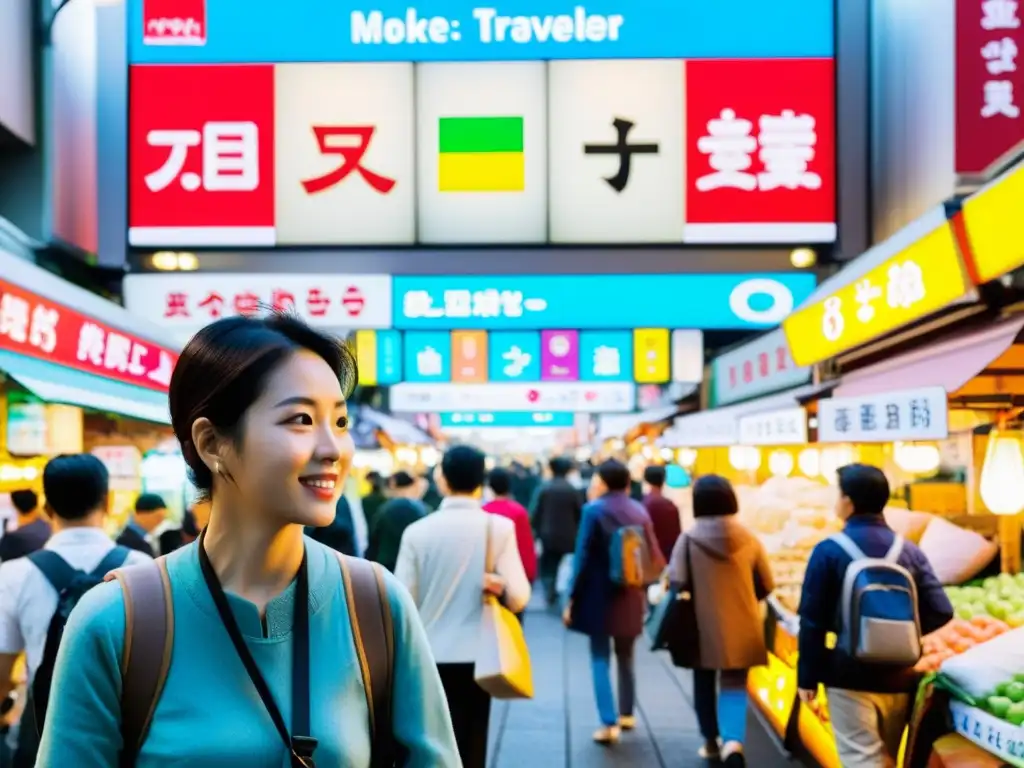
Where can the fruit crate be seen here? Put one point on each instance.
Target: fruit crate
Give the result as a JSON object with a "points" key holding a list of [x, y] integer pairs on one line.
{"points": [[999, 737]]}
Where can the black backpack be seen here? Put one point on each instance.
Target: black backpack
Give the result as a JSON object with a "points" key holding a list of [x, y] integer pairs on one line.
{"points": [[71, 585]]}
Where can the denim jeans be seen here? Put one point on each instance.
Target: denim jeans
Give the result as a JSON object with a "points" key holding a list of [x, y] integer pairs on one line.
{"points": [[601, 668], [720, 698]]}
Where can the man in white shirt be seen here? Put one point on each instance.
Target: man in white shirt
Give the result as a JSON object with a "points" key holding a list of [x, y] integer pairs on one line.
{"points": [[443, 562], [76, 488]]}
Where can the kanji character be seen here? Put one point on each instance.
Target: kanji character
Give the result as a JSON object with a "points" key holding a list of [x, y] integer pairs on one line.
{"points": [[92, 341], [317, 302], [247, 303], [866, 293], [282, 301], [787, 148], [43, 330], [458, 303], [14, 317], [214, 304], [729, 146], [177, 304], [512, 303], [487, 303], [118, 352]]}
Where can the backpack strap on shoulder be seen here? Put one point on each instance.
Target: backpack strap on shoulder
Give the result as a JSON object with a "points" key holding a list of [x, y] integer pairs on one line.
{"points": [[844, 541], [55, 568], [893, 555], [148, 643], [113, 559], [373, 634]]}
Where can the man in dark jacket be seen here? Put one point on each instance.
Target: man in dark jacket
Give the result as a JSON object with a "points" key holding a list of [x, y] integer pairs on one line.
{"points": [[869, 704], [149, 530], [32, 532], [402, 510], [664, 513], [556, 516], [610, 614]]}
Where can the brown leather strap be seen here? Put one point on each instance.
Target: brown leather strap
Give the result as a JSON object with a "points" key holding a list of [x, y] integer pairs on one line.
{"points": [[373, 634], [148, 642]]}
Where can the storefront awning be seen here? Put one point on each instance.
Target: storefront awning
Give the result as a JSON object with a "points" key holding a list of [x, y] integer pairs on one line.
{"points": [[617, 425], [400, 432], [720, 426], [57, 384], [948, 363]]}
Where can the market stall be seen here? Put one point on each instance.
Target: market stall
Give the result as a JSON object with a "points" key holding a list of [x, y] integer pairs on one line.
{"points": [[68, 357]]}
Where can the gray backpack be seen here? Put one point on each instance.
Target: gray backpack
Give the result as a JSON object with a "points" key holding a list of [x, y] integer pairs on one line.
{"points": [[878, 611]]}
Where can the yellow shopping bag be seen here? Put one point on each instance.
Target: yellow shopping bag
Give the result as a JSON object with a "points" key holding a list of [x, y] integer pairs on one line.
{"points": [[503, 660]]}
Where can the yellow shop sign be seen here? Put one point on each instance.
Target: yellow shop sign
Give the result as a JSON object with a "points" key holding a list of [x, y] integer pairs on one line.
{"points": [[994, 219], [918, 280]]}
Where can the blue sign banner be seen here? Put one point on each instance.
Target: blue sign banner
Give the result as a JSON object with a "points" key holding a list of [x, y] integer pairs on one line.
{"points": [[535, 302], [428, 357], [514, 356], [273, 31], [606, 356], [389, 357], [509, 419]]}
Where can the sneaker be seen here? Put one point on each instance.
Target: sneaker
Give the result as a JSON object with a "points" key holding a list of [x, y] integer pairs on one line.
{"points": [[608, 734], [732, 755], [712, 750], [627, 722]]}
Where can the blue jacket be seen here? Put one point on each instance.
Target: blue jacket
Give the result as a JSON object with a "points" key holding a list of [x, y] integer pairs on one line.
{"points": [[601, 607], [819, 614]]}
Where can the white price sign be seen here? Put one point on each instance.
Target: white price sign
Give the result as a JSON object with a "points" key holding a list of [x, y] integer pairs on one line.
{"points": [[785, 427], [990, 733], [906, 415]]}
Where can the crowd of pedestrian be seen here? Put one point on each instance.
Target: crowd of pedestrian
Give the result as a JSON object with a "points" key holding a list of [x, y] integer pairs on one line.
{"points": [[325, 652]]}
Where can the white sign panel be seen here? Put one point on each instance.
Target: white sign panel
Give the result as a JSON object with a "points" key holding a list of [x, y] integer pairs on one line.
{"points": [[596, 397], [785, 427], [482, 152], [615, 153], [185, 302], [687, 356], [708, 429], [906, 415], [761, 366], [994, 735], [344, 154]]}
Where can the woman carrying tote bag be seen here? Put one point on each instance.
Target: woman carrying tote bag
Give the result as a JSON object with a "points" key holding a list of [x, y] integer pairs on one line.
{"points": [[725, 569]]}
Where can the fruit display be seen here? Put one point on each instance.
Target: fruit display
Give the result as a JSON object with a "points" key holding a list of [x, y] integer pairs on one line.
{"points": [[1007, 701], [1001, 597], [958, 636]]}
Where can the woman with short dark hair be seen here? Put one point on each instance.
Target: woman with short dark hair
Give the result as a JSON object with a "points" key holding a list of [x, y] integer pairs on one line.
{"points": [[263, 667], [730, 576]]}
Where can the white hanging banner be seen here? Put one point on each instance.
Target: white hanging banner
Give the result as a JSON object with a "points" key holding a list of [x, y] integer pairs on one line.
{"points": [[905, 415], [784, 427]]}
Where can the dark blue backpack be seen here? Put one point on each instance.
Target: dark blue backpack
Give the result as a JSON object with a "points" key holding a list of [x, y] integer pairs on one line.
{"points": [[71, 585]]}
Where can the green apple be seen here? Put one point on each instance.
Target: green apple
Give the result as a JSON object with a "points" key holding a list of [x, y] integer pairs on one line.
{"points": [[1017, 603], [1016, 713], [1001, 688], [1008, 593], [1019, 677], [1015, 692], [996, 609], [964, 612], [999, 706], [991, 581]]}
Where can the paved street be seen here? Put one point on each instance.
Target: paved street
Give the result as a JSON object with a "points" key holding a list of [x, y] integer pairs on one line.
{"points": [[554, 729]]}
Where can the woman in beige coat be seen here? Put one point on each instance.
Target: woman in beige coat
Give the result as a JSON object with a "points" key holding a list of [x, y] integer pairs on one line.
{"points": [[731, 575]]}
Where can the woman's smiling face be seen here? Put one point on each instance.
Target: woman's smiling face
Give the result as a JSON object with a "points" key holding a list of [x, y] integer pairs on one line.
{"points": [[296, 450]]}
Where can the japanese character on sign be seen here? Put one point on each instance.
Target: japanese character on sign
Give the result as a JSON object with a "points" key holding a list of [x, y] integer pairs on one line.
{"points": [[1001, 56], [920, 414], [512, 303], [781, 359], [137, 368], [733, 379], [14, 317], [842, 422], [832, 323], [606, 361], [999, 14], [486, 303], [999, 99], [866, 293], [787, 142], [92, 341], [282, 301], [419, 304], [118, 352], [247, 303], [177, 304], [230, 158], [214, 304], [351, 159], [748, 371], [317, 302], [906, 285], [867, 417], [892, 416], [763, 365], [458, 303], [43, 329]]}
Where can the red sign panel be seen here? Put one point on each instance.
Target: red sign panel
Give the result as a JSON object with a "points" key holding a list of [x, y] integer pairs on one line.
{"points": [[174, 22], [989, 85], [36, 327], [760, 154], [201, 155]]}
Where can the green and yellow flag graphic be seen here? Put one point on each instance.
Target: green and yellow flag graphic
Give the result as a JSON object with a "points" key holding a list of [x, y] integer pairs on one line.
{"points": [[481, 154]]}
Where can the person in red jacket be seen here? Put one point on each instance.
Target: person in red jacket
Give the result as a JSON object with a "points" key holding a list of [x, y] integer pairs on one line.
{"points": [[500, 482]]}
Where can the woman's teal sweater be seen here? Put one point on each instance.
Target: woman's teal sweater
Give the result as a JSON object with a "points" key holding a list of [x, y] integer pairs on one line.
{"points": [[209, 713]]}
